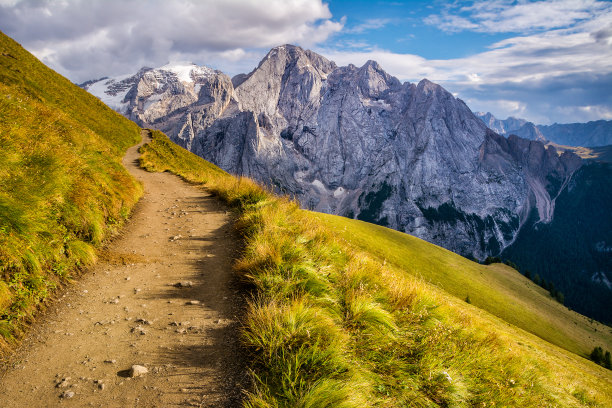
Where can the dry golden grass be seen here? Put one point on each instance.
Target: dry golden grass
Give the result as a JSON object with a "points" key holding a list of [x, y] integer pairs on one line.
{"points": [[497, 288], [63, 190], [332, 323]]}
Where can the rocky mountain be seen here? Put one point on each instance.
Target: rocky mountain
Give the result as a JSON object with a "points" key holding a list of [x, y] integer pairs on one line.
{"points": [[590, 134], [354, 141], [512, 126], [175, 98], [501, 126]]}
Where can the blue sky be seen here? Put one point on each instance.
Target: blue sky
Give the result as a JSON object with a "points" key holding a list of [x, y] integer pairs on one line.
{"points": [[398, 26], [543, 60]]}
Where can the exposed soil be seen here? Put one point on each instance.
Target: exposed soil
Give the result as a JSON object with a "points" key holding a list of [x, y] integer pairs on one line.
{"points": [[163, 295]]}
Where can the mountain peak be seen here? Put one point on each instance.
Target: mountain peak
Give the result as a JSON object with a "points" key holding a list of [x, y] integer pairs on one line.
{"points": [[425, 85], [372, 64], [284, 55]]}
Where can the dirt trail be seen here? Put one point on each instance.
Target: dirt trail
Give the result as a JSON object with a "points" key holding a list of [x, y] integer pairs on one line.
{"points": [[132, 309]]}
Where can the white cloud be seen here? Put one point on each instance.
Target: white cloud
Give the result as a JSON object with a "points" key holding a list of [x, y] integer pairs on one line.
{"points": [[89, 38], [558, 69], [504, 16], [370, 24], [569, 66]]}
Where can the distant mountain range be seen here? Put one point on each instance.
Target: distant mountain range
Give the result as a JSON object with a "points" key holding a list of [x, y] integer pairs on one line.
{"points": [[590, 134], [357, 142]]}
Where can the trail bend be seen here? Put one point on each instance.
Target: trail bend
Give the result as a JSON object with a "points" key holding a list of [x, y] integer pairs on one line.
{"points": [[163, 296]]}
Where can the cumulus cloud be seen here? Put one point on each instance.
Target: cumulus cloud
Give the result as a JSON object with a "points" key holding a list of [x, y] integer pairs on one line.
{"points": [[88, 38]]}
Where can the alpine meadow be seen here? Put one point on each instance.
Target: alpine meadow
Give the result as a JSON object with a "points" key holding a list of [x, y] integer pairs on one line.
{"points": [[312, 214]]}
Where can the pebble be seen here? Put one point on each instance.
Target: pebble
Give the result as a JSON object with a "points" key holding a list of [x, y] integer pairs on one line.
{"points": [[139, 330], [144, 321], [110, 361], [193, 302], [184, 284], [63, 383], [67, 394], [138, 370]]}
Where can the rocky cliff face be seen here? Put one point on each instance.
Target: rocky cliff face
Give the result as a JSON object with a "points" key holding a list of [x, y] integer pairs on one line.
{"points": [[542, 168], [178, 99], [357, 142]]}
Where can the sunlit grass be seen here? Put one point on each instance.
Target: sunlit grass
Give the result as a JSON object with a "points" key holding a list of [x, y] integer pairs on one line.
{"points": [[334, 322], [496, 288], [63, 189]]}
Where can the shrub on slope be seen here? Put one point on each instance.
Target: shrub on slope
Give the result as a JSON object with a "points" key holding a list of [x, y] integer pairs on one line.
{"points": [[329, 325], [63, 189]]}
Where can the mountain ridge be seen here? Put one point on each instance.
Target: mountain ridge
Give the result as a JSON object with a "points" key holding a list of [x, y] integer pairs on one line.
{"points": [[595, 133], [353, 141]]}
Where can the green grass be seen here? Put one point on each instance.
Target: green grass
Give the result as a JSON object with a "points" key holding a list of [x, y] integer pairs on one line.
{"points": [[332, 322], [63, 189], [496, 288], [336, 322]]}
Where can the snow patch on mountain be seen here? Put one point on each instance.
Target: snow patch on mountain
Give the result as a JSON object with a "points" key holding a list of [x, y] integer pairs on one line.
{"points": [[188, 71], [112, 92]]}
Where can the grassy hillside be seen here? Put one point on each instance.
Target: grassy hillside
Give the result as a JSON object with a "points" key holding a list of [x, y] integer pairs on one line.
{"points": [[496, 288], [63, 189], [598, 154], [351, 318]]}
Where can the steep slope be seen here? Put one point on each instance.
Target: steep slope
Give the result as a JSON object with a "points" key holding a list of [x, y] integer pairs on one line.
{"points": [[496, 288], [354, 141], [574, 250], [63, 188], [344, 316]]}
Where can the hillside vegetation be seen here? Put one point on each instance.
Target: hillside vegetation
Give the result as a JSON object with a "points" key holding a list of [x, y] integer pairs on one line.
{"points": [[496, 288], [63, 189], [336, 322]]}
